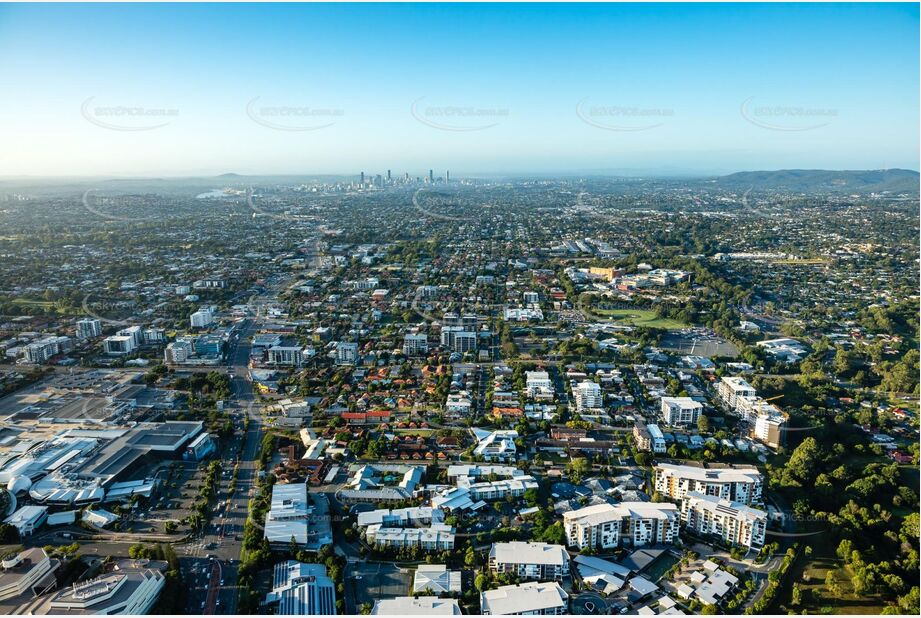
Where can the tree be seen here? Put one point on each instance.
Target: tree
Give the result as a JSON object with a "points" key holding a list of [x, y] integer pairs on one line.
{"points": [[832, 584], [578, 467], [531, 496], [9, 534], [842, 362], [703, 424], [643, 458], [800, 469]]}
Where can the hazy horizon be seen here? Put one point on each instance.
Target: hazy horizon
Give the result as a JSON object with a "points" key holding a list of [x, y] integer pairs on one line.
{"points": [[650, 90]]}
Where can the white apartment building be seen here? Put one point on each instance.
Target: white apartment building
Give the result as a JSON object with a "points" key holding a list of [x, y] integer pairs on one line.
{"points": [[587, 395], [398, 518], [538, 384], [468, 321], [87, 328], [536, 561], [769, 430], [466, 494], [154, 336], [135, 332], [526, 599], [346, 353], [365, 284], [463, 474], [415, 345], [733, 522], [499, 490], [680, 410], [42, 350], [731, 388], [750, 407], [290, 356], [459, 404], [201, 318], [119, 345], [177, 352], [459, 339], [737, 484], [437, 537], [628, 524]]}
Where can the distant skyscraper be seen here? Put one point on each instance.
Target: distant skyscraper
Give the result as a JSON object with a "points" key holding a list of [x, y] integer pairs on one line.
{"points": [[431, 176], [388, 175], [448, 176], [362, 179]]}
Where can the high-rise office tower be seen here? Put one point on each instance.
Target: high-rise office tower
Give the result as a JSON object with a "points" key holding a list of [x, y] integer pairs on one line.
{"points": [[431, 176], [388, 176]]}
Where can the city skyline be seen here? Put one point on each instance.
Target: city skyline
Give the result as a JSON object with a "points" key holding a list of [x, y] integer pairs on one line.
{"points": [[497, 89]]}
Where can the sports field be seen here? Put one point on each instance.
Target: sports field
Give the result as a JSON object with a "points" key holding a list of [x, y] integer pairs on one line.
{"points": [[640, 317]]}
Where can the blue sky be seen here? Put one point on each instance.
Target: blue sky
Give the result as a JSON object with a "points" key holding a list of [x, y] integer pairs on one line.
{"points": [[253, 88]]}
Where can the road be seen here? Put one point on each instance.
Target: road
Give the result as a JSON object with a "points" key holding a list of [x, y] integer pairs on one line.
{"points": [[218, 549]]}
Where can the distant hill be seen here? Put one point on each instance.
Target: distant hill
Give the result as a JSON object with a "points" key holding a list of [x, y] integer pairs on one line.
{"points": [[230, 175], [809, 181]]}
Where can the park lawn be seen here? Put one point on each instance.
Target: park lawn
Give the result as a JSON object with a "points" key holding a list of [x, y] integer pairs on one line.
{"points": [[641, 317], [44, 304], [819, 596], [810, 573], [413, 432]]}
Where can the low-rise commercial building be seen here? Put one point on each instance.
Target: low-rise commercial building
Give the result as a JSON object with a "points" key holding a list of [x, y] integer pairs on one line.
{"points": [[292, 517], [302, 589], [25, 573], [27, 519], [126, 587]]}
